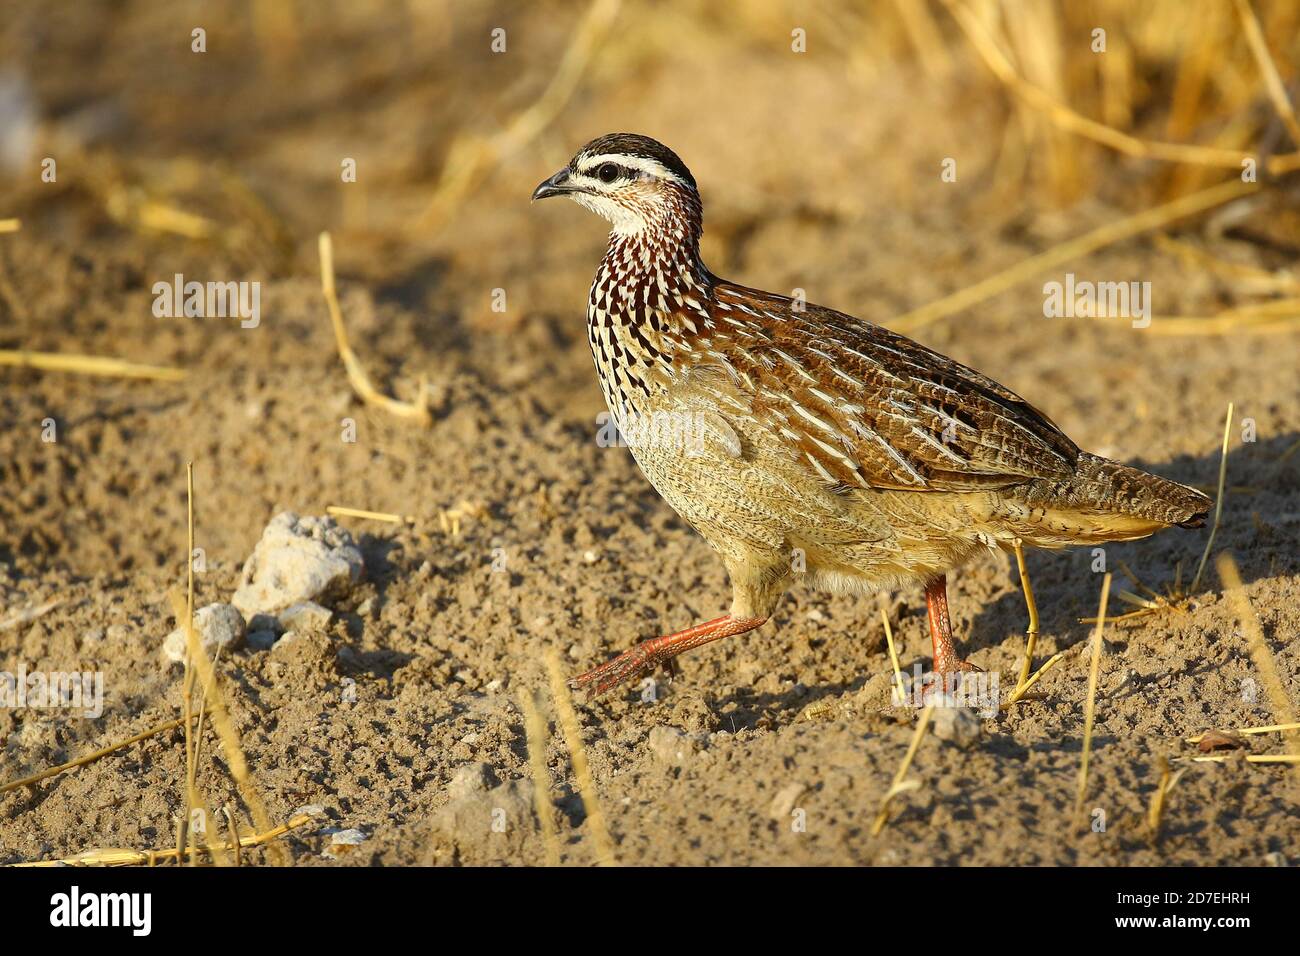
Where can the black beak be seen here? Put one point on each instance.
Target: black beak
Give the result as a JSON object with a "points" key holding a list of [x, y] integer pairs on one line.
{"points": [[557, 185]]}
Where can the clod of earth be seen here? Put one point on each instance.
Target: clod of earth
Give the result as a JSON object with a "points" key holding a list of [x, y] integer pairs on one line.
{"points": [[217, 626], [298, 559]]}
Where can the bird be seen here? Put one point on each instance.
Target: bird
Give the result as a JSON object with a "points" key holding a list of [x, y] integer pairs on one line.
{"points": [[810, 447]]}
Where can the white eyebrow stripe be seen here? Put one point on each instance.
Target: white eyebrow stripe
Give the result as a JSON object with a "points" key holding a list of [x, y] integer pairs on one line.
{"points": [[640, 163]]}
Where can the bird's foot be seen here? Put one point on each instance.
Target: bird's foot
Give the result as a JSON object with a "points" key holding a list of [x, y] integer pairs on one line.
{"points": [[945, 684], [647, 655], [956, 665], [627, 666]]}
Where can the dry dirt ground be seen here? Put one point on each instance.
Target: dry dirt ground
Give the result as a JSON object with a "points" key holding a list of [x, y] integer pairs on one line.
{"points": [[421, 671]]}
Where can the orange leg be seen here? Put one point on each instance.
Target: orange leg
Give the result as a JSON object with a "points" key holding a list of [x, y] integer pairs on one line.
{"points": [[648, 655], [945, 653]]}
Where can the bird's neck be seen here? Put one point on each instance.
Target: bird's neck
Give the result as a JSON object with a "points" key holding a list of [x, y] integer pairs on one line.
{"points": [[656, 265], [650, 298]]}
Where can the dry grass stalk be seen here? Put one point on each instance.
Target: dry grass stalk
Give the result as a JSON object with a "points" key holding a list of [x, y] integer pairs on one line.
{"points": [[93, 756], [449, 519], [1248, 731], [1023, 689], [10, 225], [893, 659], [339, 511], [1218, 500], [161, 217], [1251, 758], [1196, 70], [1073, 122], [1070, 250], [417, 410], [581, 769], [536, 734], [1225, 323], [88, 365], [27, 615], [1261, 655], [1031, 631], [232, 824], [1259, 279], [1094, 671], [898, 785], [1159, 799], [193, 741], [1272, 81], [925, 37], [229, 736], [469, 159], [192, 652], [116, 857]]}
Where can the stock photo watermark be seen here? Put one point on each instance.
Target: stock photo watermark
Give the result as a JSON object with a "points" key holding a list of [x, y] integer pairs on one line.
{"points": [[977, 690], [208, 300], [53, 690], [1084, 299], [673, 432]]}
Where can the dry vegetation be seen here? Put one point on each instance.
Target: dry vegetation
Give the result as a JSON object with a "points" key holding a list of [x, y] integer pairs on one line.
{"points": [[1173, 154]]}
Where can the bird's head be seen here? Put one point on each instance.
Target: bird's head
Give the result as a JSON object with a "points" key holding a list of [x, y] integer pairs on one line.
{"points": [[633, 181]]}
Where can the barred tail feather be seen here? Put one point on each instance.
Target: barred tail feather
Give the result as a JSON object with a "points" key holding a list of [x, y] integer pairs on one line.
{"points": [[1103, 501]]}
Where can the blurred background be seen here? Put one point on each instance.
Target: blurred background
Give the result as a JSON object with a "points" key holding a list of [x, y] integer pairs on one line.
{"points": [[240, 146]]}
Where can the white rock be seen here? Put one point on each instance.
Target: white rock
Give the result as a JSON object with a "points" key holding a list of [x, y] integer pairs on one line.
{"points": [[305, 616], [298, 559], [218, 626], [348, 838], [957, 725], [783, 803], [672, 746]]}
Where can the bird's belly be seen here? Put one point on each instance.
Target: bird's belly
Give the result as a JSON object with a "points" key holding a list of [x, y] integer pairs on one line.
{"points": [[740, 487]]}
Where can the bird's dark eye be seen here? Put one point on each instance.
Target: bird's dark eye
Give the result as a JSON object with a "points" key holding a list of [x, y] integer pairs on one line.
{"points": [[608, 172]]}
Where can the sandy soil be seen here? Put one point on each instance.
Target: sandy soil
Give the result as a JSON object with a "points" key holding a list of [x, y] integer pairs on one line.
{"points": [[572, 550]]}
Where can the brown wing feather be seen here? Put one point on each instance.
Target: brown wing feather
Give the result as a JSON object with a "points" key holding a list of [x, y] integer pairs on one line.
{"points": [[870, 408]]}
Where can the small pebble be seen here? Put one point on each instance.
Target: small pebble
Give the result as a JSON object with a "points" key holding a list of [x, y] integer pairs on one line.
{"points": [[784, 802], [672, 746], [305, 616], [217, 626], [957, 725]]}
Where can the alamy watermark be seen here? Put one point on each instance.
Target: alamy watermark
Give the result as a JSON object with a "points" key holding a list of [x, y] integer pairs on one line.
{"points": [[53, 690], [978, 690], [675, 432], [1098, 300], [209, 300]]}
